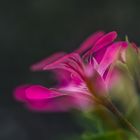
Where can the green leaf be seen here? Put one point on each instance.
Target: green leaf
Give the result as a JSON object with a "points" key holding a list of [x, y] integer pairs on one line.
{"points": [[133, 61], [88, 121], [115, 135]]}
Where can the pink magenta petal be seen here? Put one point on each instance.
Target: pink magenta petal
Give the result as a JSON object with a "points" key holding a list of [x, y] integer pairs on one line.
{"points": [[38, 92], [59, 104], [59, 63], [104, 41], [63, 77], [111, 76], [19, 93], [70, 62], [89, 42], [99, 48], [99, 54], [42, 99], [40, 65], [81, 98], [110, 56]]}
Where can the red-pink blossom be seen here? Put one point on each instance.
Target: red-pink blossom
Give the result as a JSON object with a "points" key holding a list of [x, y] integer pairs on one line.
{"points": [[93, 62]]}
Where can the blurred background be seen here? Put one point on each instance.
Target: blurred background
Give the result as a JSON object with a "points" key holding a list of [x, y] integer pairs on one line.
{"points": [[33, 29]]}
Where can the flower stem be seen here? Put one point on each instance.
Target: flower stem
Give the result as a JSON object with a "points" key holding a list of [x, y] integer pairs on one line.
{"points": [[111, 107]]}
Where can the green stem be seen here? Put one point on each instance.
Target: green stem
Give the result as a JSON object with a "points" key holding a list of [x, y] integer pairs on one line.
{"points": [[111, 107]]}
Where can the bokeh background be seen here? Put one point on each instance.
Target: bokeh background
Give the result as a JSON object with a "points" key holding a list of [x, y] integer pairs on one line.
{"points": [[33, 29]]}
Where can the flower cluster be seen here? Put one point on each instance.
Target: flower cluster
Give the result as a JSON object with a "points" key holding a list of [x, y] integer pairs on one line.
{"points": [[83, 75]]}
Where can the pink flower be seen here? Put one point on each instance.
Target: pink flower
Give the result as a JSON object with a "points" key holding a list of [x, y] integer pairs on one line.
{"points": [[88, 68]]}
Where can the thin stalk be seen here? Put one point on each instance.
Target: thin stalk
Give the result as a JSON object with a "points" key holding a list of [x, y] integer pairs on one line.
{"points": [[111, 107]]}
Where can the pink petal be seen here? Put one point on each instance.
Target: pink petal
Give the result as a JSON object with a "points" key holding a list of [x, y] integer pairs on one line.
{"points": [[62, 76], [19, 93], [104, 41], [40, 65], [40, 98], [61, 103], [89, 42], [100, 46], [81, 97], [110, 56], [38, 92], [112, 75], [43, 99], [90, 68], [99, 54], [59, 63], [71, 62]]}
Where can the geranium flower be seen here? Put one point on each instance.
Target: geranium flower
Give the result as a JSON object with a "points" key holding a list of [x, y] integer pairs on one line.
{"points": [[83, 75]]}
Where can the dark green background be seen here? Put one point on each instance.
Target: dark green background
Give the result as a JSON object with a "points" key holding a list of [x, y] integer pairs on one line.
{"points": [[33, 29]]}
